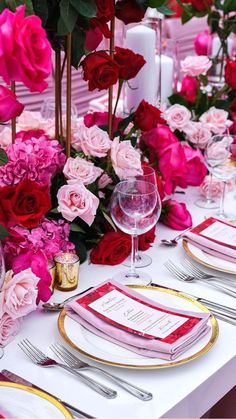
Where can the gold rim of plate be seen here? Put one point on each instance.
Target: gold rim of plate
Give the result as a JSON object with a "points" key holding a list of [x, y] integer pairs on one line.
{"points": [[41, 394], [202, 262], [207, 347]]}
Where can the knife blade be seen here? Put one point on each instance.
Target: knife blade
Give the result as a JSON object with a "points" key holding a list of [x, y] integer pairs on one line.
{"points": [[6, 375]]}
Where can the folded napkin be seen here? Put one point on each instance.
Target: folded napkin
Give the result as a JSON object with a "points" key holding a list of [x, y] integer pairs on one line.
{"points": [[216, 237], [185, 327]]}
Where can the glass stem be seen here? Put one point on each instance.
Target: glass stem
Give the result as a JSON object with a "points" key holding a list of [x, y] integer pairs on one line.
{"points": [[135, 238], [208, 197], [132, 272], [222, 201]]}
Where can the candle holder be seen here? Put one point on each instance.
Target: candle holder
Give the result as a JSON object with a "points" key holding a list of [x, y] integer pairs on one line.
{"points": [[67, 271]]}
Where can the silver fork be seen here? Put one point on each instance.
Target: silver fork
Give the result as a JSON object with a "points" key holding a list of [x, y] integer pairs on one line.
{"points": [[183, 276], [194, 270], [39, 358], [73, 361]]}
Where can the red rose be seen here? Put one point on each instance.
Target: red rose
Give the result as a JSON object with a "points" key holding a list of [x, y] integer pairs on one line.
{"points": [[129, 62], [145, 240], [93, 38], [129, 11], [113, 248], [201, 5], [24, 203], [147, 116], [100, 70], [105, 9], [9, 105], [230, 73], [176, 215]]}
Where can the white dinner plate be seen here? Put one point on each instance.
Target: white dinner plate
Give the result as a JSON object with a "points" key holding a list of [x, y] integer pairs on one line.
{"points": [[208, 260], [19, 401], [101, 350]]}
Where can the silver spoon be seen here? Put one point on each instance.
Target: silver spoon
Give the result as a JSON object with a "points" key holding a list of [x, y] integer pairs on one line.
{"points": [[174, 241], [59, 306]]}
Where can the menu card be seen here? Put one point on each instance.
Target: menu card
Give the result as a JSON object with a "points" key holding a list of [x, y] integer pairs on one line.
{"points": [[135, 315], [217, 231]]}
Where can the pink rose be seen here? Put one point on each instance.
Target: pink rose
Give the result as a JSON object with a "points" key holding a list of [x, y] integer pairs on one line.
{"points": [[177, 117], [76, 201], [202, 43], [195, 65], [104, 180], [19, 293], [5, 137], [176, 215], [9, 105], [189, 87], [198, 134], [216, 120], [173, 168], [126, 161], [93, 141], [156, 140], [81, 169], [27, 57], [211, 186], [219, 151], [100, 118], [8, 329], [196, 169]]}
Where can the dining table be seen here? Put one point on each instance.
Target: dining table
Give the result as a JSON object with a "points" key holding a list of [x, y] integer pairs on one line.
{"points": [[185, 390]]}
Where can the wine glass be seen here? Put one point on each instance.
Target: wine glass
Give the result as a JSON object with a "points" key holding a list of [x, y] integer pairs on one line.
{"points": [[141, 259], [135, 208], [221, 163]]}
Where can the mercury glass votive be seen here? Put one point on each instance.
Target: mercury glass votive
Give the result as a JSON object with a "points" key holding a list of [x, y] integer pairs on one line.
{"points": [[67, 271], [52, 270]]}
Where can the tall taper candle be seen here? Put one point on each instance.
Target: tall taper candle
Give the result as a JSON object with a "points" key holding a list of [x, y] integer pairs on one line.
{"points": [[142, 40]]}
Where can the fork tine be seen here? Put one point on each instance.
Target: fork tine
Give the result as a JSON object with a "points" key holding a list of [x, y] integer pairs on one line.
{"points": [[176, 271], [66, 352], [58, 353], [34, 350], [26, 351], [192, 268]]}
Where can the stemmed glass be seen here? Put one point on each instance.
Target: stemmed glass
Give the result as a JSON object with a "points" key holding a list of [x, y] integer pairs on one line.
{"points": [[221, 163], [141, 259], [135, 208]]}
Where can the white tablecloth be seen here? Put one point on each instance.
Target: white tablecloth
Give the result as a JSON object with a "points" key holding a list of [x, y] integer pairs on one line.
{"points": [[185, 391]]}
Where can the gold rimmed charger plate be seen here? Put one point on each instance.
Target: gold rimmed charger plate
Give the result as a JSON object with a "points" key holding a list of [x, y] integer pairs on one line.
{"points": [[190, 302], [50, 400], [199, 259]]}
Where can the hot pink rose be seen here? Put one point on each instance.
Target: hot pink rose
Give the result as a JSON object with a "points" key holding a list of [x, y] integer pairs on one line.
{"points": [[176, 215], [93, 141], [173, 168], [198, 134], [202, 43], [216, 120], [20, 293], [8, 329], [157, 140], [195, 65], [9, 105], [76, 201], [177, 117], [100, 118], [189, 86], [126, 161], [196, 169], [81, 169]]}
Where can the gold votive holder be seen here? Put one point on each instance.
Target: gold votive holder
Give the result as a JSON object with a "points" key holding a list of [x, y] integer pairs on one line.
{"points": [[52, 271], [67, 271]]}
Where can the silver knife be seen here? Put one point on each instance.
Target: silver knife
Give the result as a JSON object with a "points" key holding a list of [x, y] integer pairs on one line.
{"points": [[17, 379]]}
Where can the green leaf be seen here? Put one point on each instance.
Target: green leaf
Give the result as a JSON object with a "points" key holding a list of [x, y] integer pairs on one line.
{"points": [[86, 8], [156, 3], [109, 220], [3, 157], [229, 6], [125, 122], [219, 5], [75, 227], [29, 6], [78, 42], [202, 103], [3, 232], [186, 16], [176, 98], [68, 18], [81, 250], [165, 10], [213, 21], [41, 10], [11, 4]]}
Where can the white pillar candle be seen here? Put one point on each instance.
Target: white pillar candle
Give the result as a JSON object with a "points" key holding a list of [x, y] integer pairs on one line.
{"points": [[142, 40], [167, 73]]}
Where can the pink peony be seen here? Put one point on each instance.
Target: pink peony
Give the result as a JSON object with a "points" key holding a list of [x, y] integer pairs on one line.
{"points": [[76, 201], [25, 52], [202, 43], [9, 105], [100, 118], [126, 161], [196, 169], [82, 170], [189, 86], [173, 168], [19, 293], [93, 141], [195, 65], [216, 120], [8, 328], [176, 215], [177, 117], [38, 264], [198, 134]]}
